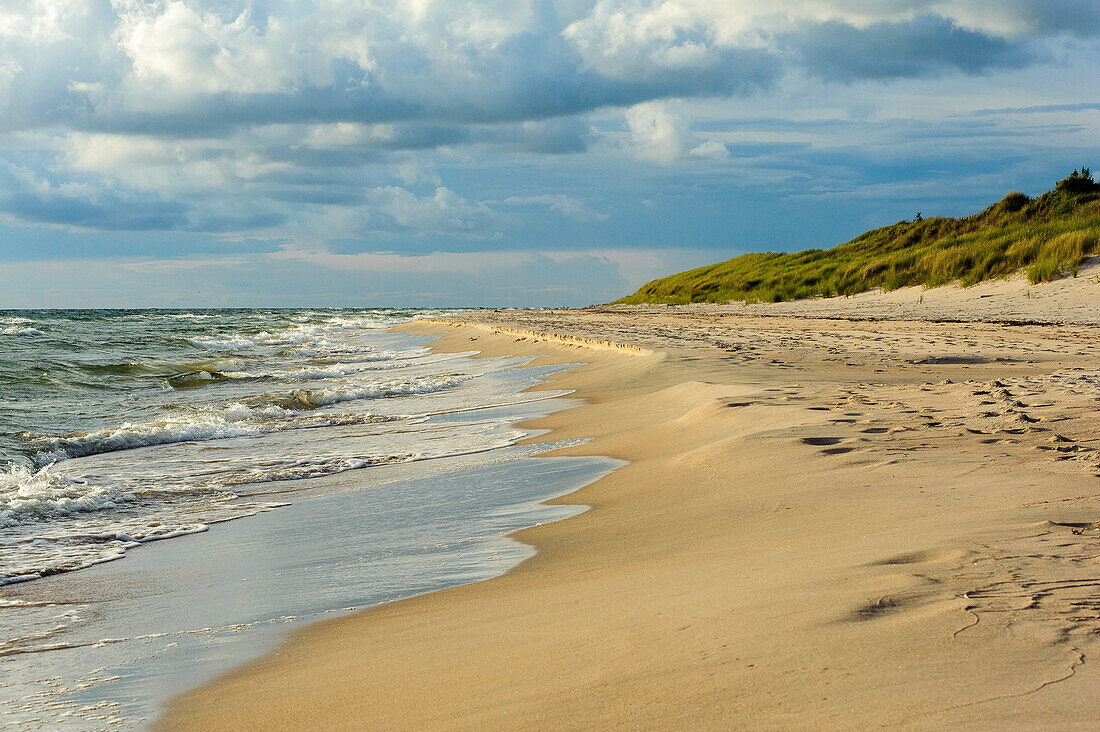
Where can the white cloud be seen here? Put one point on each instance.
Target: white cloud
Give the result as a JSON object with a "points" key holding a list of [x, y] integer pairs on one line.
{"points": [[656, 133], [172, 47], [41, 21], [346, 134], [569, 206], [180, 265], [444, 212], [711, 149], [9, 69]]}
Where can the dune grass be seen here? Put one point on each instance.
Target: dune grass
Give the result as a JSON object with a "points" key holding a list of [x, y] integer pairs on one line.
{"points": [[1047, 237]]}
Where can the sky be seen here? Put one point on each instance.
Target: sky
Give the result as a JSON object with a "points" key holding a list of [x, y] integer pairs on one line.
{"points": [[186, 153]]}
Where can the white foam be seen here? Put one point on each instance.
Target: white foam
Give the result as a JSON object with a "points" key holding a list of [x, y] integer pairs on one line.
{"points": [[16, 330], [262, 415], [232, 420], [200, 427], [376, 361], [306, 339], [313, 398], [224, 343], [35, 495]]}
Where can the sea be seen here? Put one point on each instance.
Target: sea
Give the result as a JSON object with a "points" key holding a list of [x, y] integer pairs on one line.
{"points": [[178, 488]]}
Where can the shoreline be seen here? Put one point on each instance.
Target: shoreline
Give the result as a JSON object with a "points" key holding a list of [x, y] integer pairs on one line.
{"points": [[112, 642], [888, 584]]}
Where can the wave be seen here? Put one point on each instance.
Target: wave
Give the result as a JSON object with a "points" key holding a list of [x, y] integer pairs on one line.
{"points": [[190, 374], [82, 530], [129, 436], [307, 399], [319, 467], [182, 375], [301, 469], [233, 420], [259, 415], [324, 369], [158, 367], [224, 343], [193, 379], [28, 495], [304, 339], [268, 372], [16, 330]]}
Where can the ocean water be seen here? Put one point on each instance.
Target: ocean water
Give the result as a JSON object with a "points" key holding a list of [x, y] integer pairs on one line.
{"points": [[363, 468], [175, 415]]}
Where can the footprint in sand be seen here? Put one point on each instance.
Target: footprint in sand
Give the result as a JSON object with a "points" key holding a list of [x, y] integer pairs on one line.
{"points": [[820, 440], [920, 557]]}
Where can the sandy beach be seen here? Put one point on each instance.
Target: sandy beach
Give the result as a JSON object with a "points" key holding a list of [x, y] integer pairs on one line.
{"points": [[561, 364], [831, 523]]}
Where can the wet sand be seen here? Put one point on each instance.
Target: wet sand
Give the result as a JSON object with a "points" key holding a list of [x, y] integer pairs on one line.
{"points": [[823, 522]]}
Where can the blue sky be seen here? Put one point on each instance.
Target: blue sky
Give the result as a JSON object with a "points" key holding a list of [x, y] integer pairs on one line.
{"points": [[511, 152]]}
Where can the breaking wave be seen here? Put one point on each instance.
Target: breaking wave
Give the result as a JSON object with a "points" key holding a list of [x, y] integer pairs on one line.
{"points": [[135, 426]]}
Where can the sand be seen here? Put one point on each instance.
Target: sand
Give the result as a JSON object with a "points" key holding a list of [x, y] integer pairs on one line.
{"points": [[824, 523], [1070, 300]]}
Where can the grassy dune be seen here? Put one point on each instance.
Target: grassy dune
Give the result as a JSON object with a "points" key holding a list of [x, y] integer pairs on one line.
{"points": [[1045, 236]]}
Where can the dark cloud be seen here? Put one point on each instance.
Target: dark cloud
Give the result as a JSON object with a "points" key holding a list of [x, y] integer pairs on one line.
{"points": [[532, 80], [544, 73], [118, 213], [926, 46], [1080, 18], [550, 137], [110, 210], [1039, 109], [235, 151], [321, 195]]}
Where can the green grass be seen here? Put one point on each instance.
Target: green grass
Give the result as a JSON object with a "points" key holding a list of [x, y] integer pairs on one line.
{"points": [[1046, 237]]}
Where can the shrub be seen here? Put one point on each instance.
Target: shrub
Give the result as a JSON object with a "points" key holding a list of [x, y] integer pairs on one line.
{"points": [[1078, 182]]}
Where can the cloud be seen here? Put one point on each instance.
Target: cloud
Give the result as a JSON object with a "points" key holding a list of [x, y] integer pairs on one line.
{"points": [[420, 126], [656, 133], [928, 45], [1030, 17], [444, 212], [710, 149], [569, 206], [1040, 109], [183, 67], [174, 47], [181, 265], [548, 137]]}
